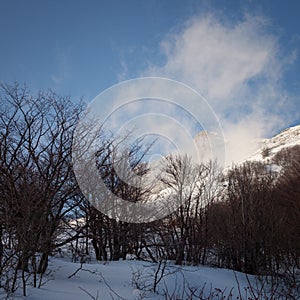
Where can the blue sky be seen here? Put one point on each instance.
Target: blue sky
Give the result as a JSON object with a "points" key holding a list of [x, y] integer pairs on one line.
{"points": [[80, 48]]}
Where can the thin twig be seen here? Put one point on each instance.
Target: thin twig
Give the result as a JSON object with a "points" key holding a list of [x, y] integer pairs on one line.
{"points": [[110, 288], [94, 298]]}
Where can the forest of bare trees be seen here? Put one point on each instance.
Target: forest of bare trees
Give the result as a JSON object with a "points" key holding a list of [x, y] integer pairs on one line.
{"points": [[246, 219]]}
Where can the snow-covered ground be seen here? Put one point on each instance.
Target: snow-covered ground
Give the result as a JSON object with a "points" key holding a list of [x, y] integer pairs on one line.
{"points": [[133, 279]]}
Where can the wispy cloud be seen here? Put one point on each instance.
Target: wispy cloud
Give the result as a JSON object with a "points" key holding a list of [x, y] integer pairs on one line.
{"points": [[217, 58], [238, 67], [62, 72]]}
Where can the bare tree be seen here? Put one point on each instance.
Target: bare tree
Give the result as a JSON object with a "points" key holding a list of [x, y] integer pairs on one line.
{"points": [[112, 238], [244, 225], [194, 187], [38, 187]]}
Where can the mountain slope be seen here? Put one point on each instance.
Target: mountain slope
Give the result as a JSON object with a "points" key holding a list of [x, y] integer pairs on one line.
{"points": [[269, 147]]}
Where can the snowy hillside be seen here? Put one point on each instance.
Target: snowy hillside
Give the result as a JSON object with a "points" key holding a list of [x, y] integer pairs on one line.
{"points": [[269, 147], [237, 151]]}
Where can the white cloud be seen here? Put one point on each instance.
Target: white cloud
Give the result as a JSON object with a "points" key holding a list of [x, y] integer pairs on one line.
{"points": [[237, 66], [217, 58]]}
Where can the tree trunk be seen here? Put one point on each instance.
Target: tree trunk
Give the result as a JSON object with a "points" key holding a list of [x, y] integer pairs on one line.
{"points": [[43, 265]]}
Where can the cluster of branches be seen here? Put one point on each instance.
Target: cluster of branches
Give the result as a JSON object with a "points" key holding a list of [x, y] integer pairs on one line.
{"points": [[256, 225], [246, 219], [41, 204], [37, 185]]}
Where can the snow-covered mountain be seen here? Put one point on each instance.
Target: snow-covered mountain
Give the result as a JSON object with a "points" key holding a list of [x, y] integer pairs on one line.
{"points": [[269, 147], [239, 151]]}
